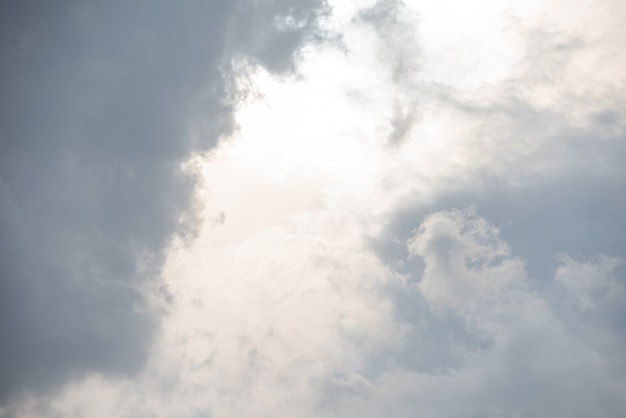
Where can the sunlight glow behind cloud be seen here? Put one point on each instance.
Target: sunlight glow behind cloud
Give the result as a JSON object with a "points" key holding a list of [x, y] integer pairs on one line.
{"points": [[368, 245]]}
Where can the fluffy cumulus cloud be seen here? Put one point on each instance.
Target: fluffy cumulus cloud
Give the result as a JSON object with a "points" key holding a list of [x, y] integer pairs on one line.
{"points": [[306, 208]]}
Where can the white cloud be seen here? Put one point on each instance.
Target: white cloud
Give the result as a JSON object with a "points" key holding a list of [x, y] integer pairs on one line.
{"points": [[593, 284], [467, 266], [531, 362]]}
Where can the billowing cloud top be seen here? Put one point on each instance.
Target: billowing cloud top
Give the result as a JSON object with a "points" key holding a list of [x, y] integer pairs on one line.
{"points": [[308, 208]]}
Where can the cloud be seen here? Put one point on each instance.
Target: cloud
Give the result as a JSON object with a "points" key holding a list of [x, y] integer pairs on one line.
{"points": [[537, 148], [591, 284], [258, 329], [95, 116], [399, 47], [271, 31], [515, 353], [285, 259], [466, 267]]}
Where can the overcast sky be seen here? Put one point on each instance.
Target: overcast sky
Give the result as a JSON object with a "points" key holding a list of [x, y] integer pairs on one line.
{"points": [[309, 208]]}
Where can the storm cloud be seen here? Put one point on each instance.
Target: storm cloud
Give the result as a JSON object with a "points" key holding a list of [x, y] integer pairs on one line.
{"points": [[98, 99]]}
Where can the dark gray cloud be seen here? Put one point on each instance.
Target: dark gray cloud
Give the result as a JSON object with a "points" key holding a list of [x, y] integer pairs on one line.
{"points": [[97, 100], [271, 31]]}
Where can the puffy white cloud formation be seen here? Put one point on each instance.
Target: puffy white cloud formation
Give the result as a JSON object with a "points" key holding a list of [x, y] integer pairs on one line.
{"points": [[467, 267]]}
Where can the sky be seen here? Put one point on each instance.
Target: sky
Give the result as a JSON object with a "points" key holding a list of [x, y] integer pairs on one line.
{"points": [[313, 208]]}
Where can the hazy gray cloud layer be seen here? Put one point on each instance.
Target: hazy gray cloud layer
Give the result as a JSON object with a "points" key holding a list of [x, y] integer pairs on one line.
{"points": [[423, 216], [97, 100]]}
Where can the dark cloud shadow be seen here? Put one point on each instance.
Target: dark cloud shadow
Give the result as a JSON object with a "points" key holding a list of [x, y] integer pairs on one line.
{"points": [[97, 100]]}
